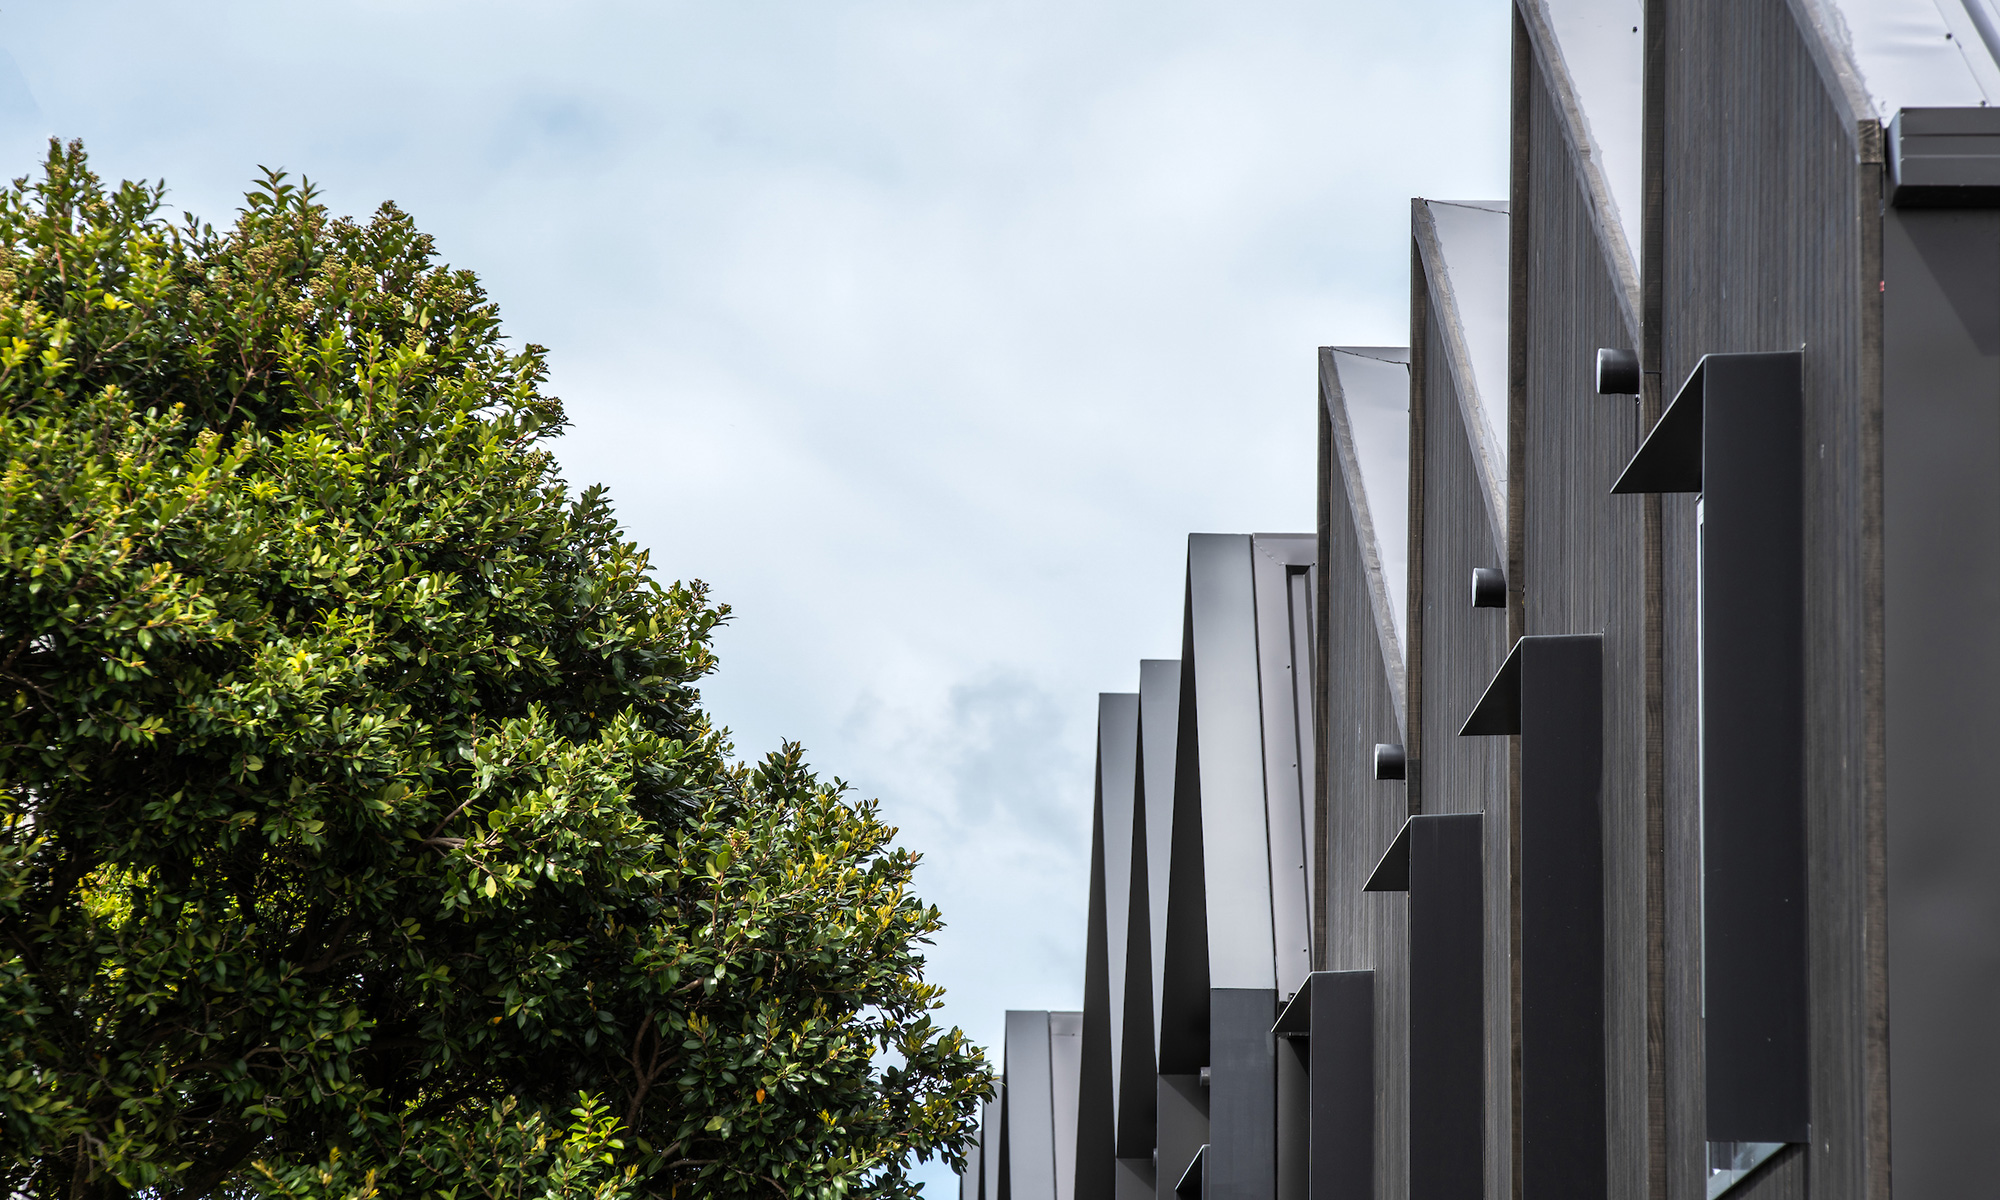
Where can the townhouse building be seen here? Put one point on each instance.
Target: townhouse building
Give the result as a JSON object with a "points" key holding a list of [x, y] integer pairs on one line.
{"points": [[1599, 802]]}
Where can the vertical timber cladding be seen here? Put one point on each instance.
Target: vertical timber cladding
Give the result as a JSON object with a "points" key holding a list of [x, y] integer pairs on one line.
{"points": [[1581, 548], [1771, 233], [1106, 944], [1364, 541], [1941, 515], [1458, 383]]}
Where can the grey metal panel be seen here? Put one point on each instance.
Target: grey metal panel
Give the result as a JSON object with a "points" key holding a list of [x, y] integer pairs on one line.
{"points": [[1219, 918], [1360, 705], [992, 1146], [1945, 157], [1941, 515], [1104, 966], [1117, 773], [1065, 1074], [1135, 1178], [1242, 1095], [968, 1179], [1030, 1114], [1771, 209], [1282, 567], [1447, 1026], [1184, 989], [1294, 1119], [1133, 1054], [1183, 1109], [1557, 710], [1583, 567], [1227, 756], [1159, 725]]}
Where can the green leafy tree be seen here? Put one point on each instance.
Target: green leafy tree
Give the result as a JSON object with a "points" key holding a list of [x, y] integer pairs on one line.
{"points": [[360, 829]]}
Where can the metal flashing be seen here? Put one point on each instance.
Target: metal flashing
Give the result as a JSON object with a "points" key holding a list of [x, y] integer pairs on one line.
{"points": [[1220, 777], [1030, 1126], [1117, 794], [1557, 701], [1192, 1185], [1743, 421], [1159, 728], [1295, 1019], [1447, 1007], [1498, 711], [992, 1145], [1392, 870], [1669, 460], [1944, 158], [1592, 57], [1366, 390], [1463, 249], [1065, 1077], [1283, 566]]}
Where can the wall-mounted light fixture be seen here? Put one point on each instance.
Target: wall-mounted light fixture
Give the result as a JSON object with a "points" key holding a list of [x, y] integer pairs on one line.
{"points": [[1390, 762], [1617, 373], [1489, 588]]}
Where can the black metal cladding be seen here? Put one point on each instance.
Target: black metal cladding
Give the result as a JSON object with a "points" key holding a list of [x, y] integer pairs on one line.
{"points": [[1342, 1061], [1551, 693], [1733, 435], [1447, 1019]]}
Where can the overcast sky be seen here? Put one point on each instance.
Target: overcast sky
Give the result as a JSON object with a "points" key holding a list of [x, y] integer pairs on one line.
{"points": [[923, 330]]}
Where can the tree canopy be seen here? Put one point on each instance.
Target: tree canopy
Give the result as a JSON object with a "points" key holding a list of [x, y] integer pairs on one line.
{"points": [[361, 831]]}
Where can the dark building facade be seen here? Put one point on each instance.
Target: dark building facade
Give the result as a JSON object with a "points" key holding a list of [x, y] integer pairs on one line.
{"points": [[1599, 803]]}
